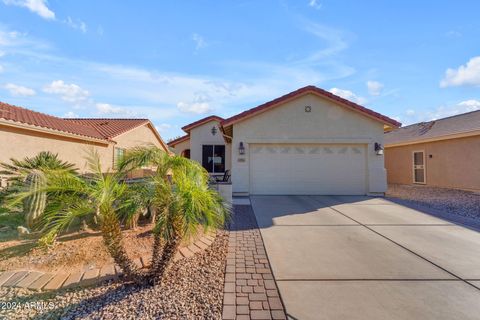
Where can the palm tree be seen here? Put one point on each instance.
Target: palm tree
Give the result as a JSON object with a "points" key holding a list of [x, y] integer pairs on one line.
{"points": [[95, 195], [29, 174], [182, 199]]}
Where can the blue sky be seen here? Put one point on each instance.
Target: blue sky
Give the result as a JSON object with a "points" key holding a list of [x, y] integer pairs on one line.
{"points": [[177, 61]]}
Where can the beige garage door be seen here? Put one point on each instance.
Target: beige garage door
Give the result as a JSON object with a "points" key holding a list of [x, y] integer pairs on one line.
{"points": [[314, 169]]}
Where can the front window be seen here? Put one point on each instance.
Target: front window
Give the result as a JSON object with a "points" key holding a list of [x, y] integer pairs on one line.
{"points": [[213, 158], [119, 154]]}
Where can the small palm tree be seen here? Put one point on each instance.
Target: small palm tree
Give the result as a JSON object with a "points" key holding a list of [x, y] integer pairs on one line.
{"points": [[29, 174], [96, 196], [182, 199]]}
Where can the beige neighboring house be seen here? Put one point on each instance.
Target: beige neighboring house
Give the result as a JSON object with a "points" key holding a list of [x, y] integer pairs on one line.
{"points": [[309, 141], [25, 133], [440, 153]]}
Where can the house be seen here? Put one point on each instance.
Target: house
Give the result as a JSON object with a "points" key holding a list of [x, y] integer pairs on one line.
{"points": [[25, 133], [309, 141], [441, 153]]}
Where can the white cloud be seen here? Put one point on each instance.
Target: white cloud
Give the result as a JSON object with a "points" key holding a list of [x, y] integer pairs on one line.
{"points": [[37, 6], [77, 25], [374, 88], [200, 104], [2, 53], [470, 105], [69, 92], [335, 40], [106, 109], [17, 90], [453, 34], [194, 107], [465, 75], [163, 127], [349, 95], [200, 42], [440, 112], [315, 4], [410, 112], [70, 114]]}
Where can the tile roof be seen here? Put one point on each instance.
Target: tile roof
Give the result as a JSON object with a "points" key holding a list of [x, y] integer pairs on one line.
{"points": [[178, 140], [109, 128], [197, 123], [22, 115], [435, 129], [103, 129], [305, 90]]}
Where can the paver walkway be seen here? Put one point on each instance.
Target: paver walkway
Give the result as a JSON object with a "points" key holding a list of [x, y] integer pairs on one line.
{"points": [[250, 291], [35, 280]]}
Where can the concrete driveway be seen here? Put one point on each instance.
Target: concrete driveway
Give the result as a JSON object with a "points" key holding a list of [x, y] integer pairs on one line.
{"points": [[351, 257]]}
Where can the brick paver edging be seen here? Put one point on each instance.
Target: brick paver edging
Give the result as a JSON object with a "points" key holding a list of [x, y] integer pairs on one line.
{"points": [[36, 280], [250, 291]]}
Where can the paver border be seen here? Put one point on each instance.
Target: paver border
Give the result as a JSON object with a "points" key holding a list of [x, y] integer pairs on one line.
{"points": [[47, 281]]}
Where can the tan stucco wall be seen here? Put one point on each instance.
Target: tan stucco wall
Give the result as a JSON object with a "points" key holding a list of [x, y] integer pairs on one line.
{"points": [[202, 135], [20, 143], [139, 136], [182, 146], [455, 163], [326, 123]]}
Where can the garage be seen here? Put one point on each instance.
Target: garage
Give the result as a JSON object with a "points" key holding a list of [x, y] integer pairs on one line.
{"points": [[308, 169]]}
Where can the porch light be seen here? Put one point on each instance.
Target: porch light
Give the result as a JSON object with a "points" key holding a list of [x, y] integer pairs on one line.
{"points": [[378, 149], [214, 130], [241, 148]]}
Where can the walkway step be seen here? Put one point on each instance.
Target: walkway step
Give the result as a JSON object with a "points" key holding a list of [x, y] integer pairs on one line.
{"points": [[40, 282], [15, 278], [31, 277], [107, 272], [56, 282], [72, 280], [90, 277], [5, 276]]}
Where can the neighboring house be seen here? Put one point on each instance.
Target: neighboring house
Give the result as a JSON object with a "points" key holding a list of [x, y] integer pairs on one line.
{"points": [[309, 141], [441, 153], [25, 133]]}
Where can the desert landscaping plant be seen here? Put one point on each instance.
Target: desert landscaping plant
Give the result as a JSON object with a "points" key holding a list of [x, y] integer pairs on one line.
{"points": [[182, 199], [29, 174], [177, 196]]}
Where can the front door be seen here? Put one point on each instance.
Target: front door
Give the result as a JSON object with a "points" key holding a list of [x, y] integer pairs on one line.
{"points": [[419, 167]]}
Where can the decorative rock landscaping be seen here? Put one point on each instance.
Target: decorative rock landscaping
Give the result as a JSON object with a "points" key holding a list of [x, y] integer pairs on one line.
{"points": [[35, 280], [191, 289]]}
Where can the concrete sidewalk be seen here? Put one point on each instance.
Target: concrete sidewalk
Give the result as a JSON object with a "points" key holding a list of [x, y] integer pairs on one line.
{"points": [[345, 257]]}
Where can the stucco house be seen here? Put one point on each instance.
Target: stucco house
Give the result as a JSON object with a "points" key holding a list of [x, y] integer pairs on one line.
{"points": [[25, 133], [309, 141], [441, 153]]}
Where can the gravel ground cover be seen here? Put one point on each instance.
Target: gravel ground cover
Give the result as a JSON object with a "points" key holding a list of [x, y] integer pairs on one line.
{"points": [[456, 202], [193, 289]]}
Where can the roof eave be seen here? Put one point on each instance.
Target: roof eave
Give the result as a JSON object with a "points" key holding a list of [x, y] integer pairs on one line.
{"points": [[16, 124], [434, 139], [310, 90]]}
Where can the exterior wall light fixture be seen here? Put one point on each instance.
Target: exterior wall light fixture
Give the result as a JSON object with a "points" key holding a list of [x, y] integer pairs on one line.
{"points": [[241, 149], [378, 149]]}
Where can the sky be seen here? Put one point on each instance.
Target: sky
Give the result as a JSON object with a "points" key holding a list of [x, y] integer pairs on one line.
{"points": [[175, 62]]}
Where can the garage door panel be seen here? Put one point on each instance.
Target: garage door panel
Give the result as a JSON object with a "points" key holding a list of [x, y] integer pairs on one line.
{"points": [[307, 169]]}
